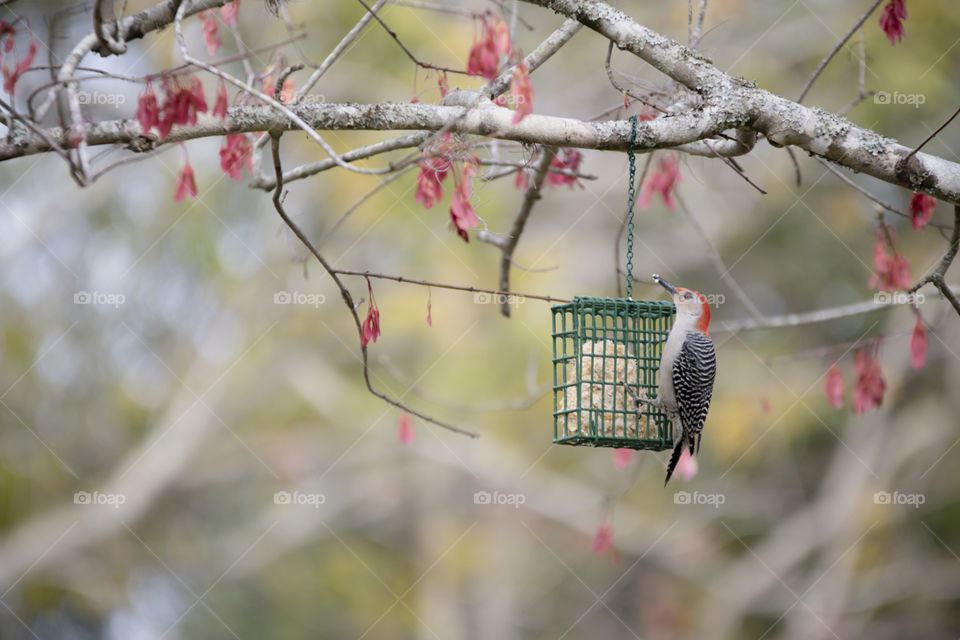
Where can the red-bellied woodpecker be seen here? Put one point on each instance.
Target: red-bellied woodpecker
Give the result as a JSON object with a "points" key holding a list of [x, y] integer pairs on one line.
{"points": [[688, 366]]}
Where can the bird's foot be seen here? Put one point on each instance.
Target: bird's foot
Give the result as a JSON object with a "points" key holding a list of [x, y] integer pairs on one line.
{"points": [[641, 398]]}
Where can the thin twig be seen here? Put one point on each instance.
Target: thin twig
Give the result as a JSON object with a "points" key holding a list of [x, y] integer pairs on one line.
{"points": [[719, 264], [698, 31], [730, 162], [933, 135], [823, 63], [493, 89], [344, 293], [624, 90], [364, 198], [937, 277], [861, 78], [276, 104], [529, 199], [869, 195], [524, 165], [443, 285], [796, 166], [808, 317], [396, 38]]}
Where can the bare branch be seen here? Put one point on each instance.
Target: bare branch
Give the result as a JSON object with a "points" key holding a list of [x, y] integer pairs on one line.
{"points": [[937, 277], [624, 90], [535, 58], [105, 26], [344, 293], [307, 170], [809, 317], [488, 120], [443, 285], [872, 197], [271, 101], [782, 121], [493, 89], [826, 60], [718, 263], [363, 198], [529, 199], [697, 34], [932, 135], [338, 50], [396, 38]]}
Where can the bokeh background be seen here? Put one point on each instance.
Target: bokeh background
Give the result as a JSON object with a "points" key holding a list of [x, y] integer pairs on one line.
{"points": [[198, 398]]}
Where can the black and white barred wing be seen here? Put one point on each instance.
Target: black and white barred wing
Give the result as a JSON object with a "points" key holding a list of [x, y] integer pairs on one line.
{"points": [[693, 375]]}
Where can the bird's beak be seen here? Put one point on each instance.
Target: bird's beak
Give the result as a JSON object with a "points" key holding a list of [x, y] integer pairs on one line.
{"points": [[672, 290]]}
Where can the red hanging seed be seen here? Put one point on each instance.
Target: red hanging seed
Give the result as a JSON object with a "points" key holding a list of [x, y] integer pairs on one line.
{"points": [[921, 210], [918, 344], [370, 330], [833, 387], [461, 211], [185, 184], [235, 153], [891, 20]]}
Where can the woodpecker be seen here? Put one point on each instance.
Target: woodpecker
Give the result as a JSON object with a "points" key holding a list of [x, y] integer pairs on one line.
{"points": [[688, 366]]}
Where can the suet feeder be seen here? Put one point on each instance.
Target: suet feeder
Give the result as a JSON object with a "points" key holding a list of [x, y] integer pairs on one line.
{"points": [[601, 345], [606, 352]]}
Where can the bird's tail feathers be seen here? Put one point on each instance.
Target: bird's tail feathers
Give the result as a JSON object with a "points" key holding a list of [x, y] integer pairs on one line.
{"points": [[674, 459]]}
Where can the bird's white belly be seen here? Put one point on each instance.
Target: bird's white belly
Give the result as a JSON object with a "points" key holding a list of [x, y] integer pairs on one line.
{"points": [[671, 350]]}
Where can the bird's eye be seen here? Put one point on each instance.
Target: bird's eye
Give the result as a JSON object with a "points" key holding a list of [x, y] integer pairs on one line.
{"points": [[687, 295]]}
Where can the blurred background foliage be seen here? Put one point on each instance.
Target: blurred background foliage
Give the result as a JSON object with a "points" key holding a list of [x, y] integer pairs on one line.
{"points": [[199, 398]]}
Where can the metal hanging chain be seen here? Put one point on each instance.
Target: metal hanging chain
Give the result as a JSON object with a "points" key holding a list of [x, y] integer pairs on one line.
{"points": [[631, 196]]}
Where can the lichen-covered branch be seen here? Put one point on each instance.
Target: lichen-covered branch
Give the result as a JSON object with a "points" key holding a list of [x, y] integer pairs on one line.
{"points": [[783, 122], [486, 120]]}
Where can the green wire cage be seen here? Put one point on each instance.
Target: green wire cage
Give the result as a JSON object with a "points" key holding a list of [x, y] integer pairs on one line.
{"points": [[600, 345]]}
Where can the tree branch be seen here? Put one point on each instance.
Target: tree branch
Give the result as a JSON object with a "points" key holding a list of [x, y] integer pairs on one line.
{"points": [[487, 120], [529, 199], [782, 121], [344, 293], [826, 60], [442, 285], [937, 277]]}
